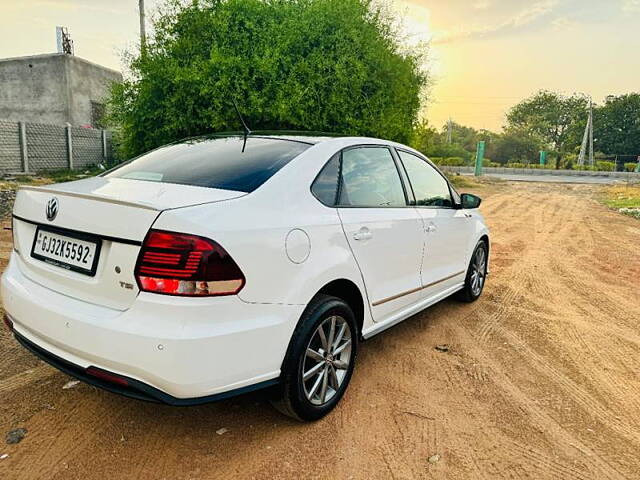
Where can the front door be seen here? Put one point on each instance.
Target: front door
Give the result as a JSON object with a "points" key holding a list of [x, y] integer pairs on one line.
{"points": [[446, 229], [384, 233]]}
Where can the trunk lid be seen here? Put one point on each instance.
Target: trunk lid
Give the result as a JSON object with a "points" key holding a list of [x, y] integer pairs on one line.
{"points": [[114, 213]]}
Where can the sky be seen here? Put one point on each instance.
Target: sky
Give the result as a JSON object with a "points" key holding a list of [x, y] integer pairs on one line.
{"points": [[484, 55]]}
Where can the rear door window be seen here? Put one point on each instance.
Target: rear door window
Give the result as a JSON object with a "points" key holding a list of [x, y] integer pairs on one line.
{"points": [[325, 186], [214, 162]]}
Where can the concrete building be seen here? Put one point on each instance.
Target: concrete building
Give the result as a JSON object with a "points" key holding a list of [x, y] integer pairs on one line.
{"points": [[54, 88]]}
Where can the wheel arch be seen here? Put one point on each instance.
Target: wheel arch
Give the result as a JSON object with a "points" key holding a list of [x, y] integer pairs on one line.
{"points": [[485, 238], [344, 289], [348, 291]]}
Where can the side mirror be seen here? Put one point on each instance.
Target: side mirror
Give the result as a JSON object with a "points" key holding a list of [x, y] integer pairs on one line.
{"points": [[470, 201]]}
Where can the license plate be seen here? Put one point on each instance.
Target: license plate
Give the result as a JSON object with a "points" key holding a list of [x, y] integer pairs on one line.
{"points": [[69, 250]]}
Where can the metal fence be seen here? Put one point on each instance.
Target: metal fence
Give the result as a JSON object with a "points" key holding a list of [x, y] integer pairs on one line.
{"points": [[32, 147]]}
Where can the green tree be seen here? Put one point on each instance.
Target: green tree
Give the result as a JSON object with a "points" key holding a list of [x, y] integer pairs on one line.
{"points": [[425, 138], [323, 65], [491, 140], [617, 125], [554, 118], [516, 146], [466, 137]]}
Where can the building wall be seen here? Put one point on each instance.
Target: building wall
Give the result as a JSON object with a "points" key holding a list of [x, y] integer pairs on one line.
{"points": [[33, 89], [88, 83], [52, 89]]}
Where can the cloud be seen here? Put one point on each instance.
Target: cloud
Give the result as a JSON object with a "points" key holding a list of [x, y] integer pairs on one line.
{"points": [[564, 24], [482, 4], [631, 6], [522, 18]]}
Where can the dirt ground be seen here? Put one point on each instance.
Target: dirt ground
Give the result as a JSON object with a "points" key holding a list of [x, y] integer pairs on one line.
{"points": [[541, 379]]}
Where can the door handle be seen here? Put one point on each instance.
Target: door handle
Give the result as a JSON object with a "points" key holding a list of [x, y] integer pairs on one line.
{"points": [[431, 228], [363, 234], [468, 215]]}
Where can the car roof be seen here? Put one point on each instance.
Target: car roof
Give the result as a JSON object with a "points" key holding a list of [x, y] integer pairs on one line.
{"points": [[310, 139]]}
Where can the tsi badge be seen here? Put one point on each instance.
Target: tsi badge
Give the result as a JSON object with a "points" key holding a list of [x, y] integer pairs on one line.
{"points": [[52, 209]]}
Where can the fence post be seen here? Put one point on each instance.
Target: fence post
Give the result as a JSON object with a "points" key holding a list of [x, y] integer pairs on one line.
{"points": [[104, 145], [24, 154], [69, 147], [479, 158]]}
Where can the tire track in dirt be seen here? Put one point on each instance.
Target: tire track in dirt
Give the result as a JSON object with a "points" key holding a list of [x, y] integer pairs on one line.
{"points": [[25, 378], [512, 454], [543, 420]]}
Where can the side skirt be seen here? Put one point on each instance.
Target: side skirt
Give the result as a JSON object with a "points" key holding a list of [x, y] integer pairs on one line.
{"points": [[409, 311]]}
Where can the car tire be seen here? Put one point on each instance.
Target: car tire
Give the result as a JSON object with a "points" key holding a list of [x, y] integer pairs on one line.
{"points": [[476, 274], [326, 368]]}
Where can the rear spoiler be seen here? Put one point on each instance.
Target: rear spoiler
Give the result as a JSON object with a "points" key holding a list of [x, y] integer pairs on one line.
{"points": [[87, 196]]}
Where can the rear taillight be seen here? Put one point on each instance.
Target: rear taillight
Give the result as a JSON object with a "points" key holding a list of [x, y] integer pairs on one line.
{"points": [[186, 265]]}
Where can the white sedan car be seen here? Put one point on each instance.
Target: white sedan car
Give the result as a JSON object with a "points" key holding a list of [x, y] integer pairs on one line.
{"points": [[209, 268]]}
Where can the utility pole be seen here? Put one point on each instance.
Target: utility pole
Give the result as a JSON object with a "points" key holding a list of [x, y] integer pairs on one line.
{"points": [[449, 131], [143, 34]]}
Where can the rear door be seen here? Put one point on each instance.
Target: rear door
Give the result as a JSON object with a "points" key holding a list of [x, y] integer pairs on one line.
{"points": [[384, 233], [446, 229]]}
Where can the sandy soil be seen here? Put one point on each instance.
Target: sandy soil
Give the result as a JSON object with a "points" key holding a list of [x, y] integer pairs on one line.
{"points": [[541, 380]]}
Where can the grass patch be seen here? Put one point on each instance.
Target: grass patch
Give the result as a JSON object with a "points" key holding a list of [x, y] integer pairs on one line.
{"points": [[624, 198], [462, 181]]}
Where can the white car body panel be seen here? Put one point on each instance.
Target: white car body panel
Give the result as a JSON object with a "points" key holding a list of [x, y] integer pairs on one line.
{"points": [[183, 346], [446, 238], [196, 347], [392, 234]]}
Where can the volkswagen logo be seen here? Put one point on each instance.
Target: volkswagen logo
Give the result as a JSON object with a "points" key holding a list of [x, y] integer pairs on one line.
{"points": [[52, 209]]}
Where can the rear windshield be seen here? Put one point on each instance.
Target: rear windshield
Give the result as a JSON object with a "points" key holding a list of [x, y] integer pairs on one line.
{"points": [[214, 162]]}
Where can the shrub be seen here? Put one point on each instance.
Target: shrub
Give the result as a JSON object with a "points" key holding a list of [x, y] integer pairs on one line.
{"points": [[630, 167], [451, 162], [317, 65], [605, 166]]}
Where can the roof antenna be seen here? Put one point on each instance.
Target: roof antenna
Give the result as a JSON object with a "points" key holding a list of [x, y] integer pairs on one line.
{"points": [[247, 131]]}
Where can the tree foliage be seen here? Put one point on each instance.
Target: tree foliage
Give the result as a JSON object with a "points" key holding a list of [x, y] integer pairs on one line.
{"points": [[516, 146], [321, 65], [617, 125], [554, 118]]}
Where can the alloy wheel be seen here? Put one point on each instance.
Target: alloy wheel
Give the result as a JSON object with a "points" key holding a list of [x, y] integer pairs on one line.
{"points": [[478, 271], [326, 360]]}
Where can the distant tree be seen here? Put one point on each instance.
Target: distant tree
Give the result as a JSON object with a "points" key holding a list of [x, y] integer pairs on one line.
{"points": [[465, 137], [425, 138], [491, 140], [554, 118], [617, 125], [516, 146], [324, 65]]}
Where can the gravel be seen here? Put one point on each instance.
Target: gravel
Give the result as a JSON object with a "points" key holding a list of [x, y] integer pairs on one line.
{"points": [[15, 436], [7, 196]]}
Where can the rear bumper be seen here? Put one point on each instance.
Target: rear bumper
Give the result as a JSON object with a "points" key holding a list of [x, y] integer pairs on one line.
{"points": [[176, 350], [134, 389]]}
